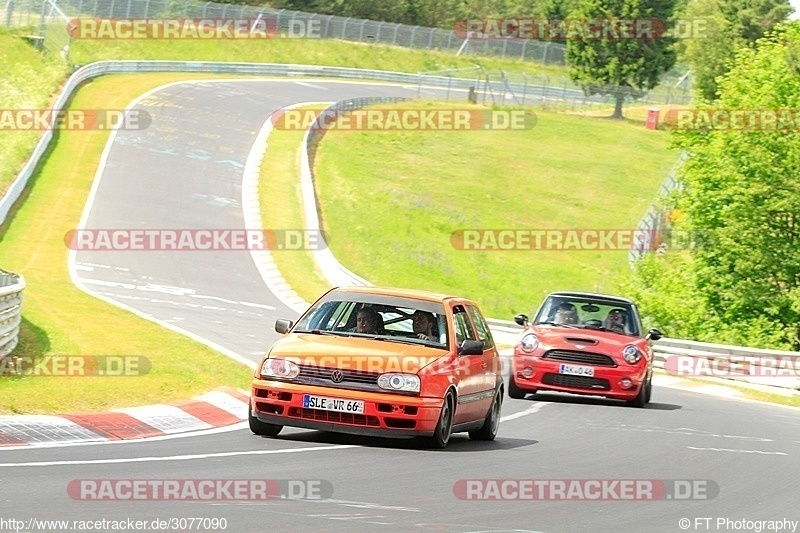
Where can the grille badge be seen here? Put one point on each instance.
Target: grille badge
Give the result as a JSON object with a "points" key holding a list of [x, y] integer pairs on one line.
{"points": [[337, 376]]}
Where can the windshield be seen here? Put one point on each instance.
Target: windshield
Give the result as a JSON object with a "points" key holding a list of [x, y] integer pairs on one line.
{"points": [[382, 318], [589, 313]]}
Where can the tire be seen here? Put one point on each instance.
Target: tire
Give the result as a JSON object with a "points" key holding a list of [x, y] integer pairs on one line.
{"points": [[488, 431], [444, 428], [262, 428], [514, 391], [642, 398], [649, 392]]}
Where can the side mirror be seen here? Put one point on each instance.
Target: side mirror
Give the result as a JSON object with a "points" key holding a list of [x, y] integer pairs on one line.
{"points": [[653, 335], [521, 319], [283, 326], [470, 347]]}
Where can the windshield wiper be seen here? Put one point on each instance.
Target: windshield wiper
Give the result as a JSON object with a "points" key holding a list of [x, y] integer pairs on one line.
{"points": [[557, 324], [318, 331]]}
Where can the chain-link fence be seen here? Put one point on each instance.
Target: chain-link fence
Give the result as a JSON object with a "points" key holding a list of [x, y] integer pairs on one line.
{"points": [[48, 20], [552, 92], [33, 13]]}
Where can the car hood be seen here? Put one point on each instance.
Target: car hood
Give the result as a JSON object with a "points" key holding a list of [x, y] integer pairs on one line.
{"points": [[355, 353], [591, 340]]}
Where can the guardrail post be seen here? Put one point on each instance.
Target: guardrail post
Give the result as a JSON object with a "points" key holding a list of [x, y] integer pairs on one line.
{"points": [[11, 287]]}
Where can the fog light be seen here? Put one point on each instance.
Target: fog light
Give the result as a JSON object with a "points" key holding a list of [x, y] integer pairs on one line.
{"points": [[625, 383], [527, 371]]}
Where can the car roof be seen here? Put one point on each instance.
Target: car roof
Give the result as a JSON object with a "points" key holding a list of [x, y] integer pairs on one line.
{"points": [[400, 292], [598, 296]]}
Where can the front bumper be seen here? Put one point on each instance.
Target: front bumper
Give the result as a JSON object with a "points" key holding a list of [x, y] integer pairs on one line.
{"points": [[607, 381], [385, 414]]}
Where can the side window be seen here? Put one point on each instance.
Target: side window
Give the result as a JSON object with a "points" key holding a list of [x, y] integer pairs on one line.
{"points": [[481, 326], [462, 325]]}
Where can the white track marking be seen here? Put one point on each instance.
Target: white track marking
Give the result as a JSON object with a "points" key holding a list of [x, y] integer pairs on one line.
{"points": [[179, 457], [529, 411], [760, 452]]}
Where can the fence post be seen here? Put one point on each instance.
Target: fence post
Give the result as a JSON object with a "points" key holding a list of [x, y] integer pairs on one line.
{"points": [[9, 12], [42, 19]]}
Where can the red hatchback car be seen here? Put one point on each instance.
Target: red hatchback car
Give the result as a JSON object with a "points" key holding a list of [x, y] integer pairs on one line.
{"points": [[584, 343], [383, 362]]}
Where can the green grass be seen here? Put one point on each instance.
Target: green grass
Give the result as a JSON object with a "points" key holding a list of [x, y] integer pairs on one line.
{"points": [[62, 320], [390, 201], [299, 51], [30, 81], [282, 208]]}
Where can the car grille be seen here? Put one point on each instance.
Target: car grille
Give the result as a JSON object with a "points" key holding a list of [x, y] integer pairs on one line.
{"points": [[576, 382], [333, 416], [351, 379], [572, 356]]}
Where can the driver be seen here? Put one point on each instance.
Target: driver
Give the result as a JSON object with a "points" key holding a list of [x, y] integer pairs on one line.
{"points": [[367, 321]]}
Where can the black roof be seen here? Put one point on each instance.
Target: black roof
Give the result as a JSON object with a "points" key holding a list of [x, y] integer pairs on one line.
{"points": [[592, 295]]}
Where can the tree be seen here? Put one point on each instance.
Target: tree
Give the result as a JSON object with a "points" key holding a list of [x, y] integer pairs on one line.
{"points": [[741, 185], [729, 24], [621, 67]]}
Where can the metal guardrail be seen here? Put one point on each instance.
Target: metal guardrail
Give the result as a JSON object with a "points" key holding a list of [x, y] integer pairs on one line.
{"points": [[506, 329], [102, 68], [653, 221], [735, 365], [265, 69], [11, 287], [335, 273]]}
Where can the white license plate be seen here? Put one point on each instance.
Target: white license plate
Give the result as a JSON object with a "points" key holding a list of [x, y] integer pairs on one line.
{"points": [[332, 404], [574, 370]]}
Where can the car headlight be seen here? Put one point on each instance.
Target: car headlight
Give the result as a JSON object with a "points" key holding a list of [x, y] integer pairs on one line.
{"points": [[279, 368], [399, 382], [631, 353], [529, 342]]}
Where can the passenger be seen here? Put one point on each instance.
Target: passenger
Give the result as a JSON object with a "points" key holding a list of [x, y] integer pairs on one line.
{"points": [[424, 325], [566, 314]]}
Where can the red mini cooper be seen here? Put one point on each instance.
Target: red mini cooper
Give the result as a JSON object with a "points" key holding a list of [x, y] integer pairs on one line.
{"points": [[584, 343]]}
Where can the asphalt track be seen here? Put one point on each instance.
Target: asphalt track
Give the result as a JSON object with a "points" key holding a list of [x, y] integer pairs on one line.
{"points": [[185, 172]]}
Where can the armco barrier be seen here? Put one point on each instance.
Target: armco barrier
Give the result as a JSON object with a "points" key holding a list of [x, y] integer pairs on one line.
{"points": [[336, 274], [731, 364], [102, 68], [503, 328], [11, 287]]}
